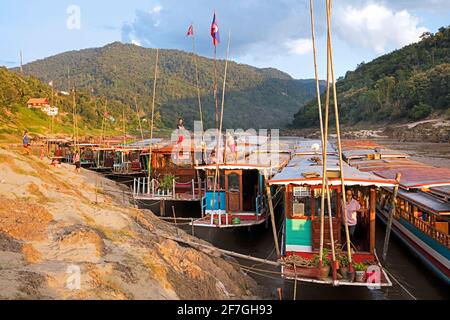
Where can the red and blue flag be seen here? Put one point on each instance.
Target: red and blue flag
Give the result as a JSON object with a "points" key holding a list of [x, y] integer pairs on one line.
{"points": [[190, 30], [215, 31]]}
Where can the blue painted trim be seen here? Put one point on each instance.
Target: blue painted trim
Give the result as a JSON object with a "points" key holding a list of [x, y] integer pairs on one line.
{"points": [[438, 247], [438, 272]]}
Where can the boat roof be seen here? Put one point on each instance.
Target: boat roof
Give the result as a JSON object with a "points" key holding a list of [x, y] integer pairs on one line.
{"points": [[373, 165], [312, 147], [442, 191], [360, 144], [420, 177], [362, 153], [270, 161], [425, 201], [307, 170]]}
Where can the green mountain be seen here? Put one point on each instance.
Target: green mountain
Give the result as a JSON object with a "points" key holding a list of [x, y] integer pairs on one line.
{"points": [[16, 89], [255, 98], [411, 83]]}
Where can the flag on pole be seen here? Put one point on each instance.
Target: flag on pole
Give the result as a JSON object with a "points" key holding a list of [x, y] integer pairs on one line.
{"points": [[190, 30], [215, 31]]}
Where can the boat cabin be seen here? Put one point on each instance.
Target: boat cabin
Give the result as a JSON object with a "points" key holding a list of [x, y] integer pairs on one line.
{"points": [[87, 154], [302, 182], [237, 196], [128, 161], [104, 159]]}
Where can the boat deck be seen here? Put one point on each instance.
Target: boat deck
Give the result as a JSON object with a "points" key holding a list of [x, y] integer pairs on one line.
{"points": [[247, 219]]}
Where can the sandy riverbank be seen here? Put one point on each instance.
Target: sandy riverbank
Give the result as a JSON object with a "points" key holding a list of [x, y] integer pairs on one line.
{"points": [[54, 222]]}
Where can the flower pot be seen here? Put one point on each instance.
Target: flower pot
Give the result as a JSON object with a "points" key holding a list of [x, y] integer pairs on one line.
{"points": [[324, 272], [344, 272], [360, 276]]}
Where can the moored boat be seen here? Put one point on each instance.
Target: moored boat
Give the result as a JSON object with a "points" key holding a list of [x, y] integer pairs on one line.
{"points": [[302, 180], [421, 219]]}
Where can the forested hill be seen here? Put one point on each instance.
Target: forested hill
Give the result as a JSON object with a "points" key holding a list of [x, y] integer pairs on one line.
{"points": [[409, 84], [16, 89], [255, 98]]}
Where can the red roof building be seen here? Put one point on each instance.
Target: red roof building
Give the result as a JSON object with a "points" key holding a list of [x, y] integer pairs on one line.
{"points": [[38, 103]]}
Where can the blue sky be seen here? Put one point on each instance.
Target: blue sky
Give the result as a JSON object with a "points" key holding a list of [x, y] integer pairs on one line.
{"points": [[265, 33]]}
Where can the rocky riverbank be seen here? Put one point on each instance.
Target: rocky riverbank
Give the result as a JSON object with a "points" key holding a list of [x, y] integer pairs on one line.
{"points": [[435, 130], [70, 236]]}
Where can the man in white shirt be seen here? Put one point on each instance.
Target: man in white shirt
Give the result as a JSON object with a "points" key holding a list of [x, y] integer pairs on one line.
{"points": [[352, 208]]}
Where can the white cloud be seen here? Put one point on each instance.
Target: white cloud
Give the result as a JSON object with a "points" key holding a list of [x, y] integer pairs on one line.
{"points": [[157, 9], [377, 27], [136, 43], [299, 46]]}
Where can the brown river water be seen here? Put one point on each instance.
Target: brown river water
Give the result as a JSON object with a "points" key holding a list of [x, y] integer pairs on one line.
{"points": [[410, 278]]}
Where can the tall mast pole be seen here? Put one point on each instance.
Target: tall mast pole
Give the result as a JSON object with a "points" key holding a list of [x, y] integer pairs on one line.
{"points": [[139, 118], [21, 62], [197, 78], [152, 119]]}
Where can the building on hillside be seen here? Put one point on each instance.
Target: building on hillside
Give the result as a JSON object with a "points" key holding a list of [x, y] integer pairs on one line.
{"points": [[38, 103]]}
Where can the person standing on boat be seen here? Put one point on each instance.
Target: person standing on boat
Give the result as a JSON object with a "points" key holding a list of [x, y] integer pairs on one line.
{"points": [[352, 208], [232, 145], [26, 143], [180, 127], [77, 161]]}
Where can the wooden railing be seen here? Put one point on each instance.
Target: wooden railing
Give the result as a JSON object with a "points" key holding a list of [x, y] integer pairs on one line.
{"points": [[425, 227]]}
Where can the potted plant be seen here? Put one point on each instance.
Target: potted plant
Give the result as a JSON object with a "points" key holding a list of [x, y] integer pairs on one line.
{"points": [[324, 270], [343, 265], [166, 184], [360, 272]]}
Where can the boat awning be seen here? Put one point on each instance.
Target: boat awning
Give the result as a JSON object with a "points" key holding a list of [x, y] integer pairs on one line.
{"points": [[425, 177], [374, 165], [360, 144], [364, 153], [441, 191], [306, 170], [310, 147], [425, 201]]}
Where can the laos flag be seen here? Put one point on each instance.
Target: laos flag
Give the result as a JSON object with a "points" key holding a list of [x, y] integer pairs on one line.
{"points": [[215, 31]]}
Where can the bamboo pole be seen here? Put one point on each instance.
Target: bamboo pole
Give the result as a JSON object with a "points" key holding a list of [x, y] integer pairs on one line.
{"points": [[219, 132], [338, 131], [103, 121], [226, 252], [152, 119], [197, 79], [139, 118], [391, 218], [124, 129], [272, 218]]}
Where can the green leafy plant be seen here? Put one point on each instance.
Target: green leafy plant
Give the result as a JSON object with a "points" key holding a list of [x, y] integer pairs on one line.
{"points": [[343, 260], [316, 258], [166, 183], [360, 266]]}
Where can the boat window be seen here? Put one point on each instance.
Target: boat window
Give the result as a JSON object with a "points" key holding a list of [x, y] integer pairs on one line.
{"points": [[301, 202], [318, 201], [233, 182], [210, 183]]}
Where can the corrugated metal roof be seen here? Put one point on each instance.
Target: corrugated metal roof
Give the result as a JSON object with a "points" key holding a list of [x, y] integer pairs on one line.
{"points": [[302, 166], [363, 153], [425, 177], [360, 144], [373, 165]]}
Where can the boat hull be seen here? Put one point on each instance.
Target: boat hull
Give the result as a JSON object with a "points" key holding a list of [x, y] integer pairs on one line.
{"points": [[421, 245]]}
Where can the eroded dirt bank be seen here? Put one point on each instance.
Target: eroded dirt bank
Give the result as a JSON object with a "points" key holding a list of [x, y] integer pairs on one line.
{"points": [[54, 223]]}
